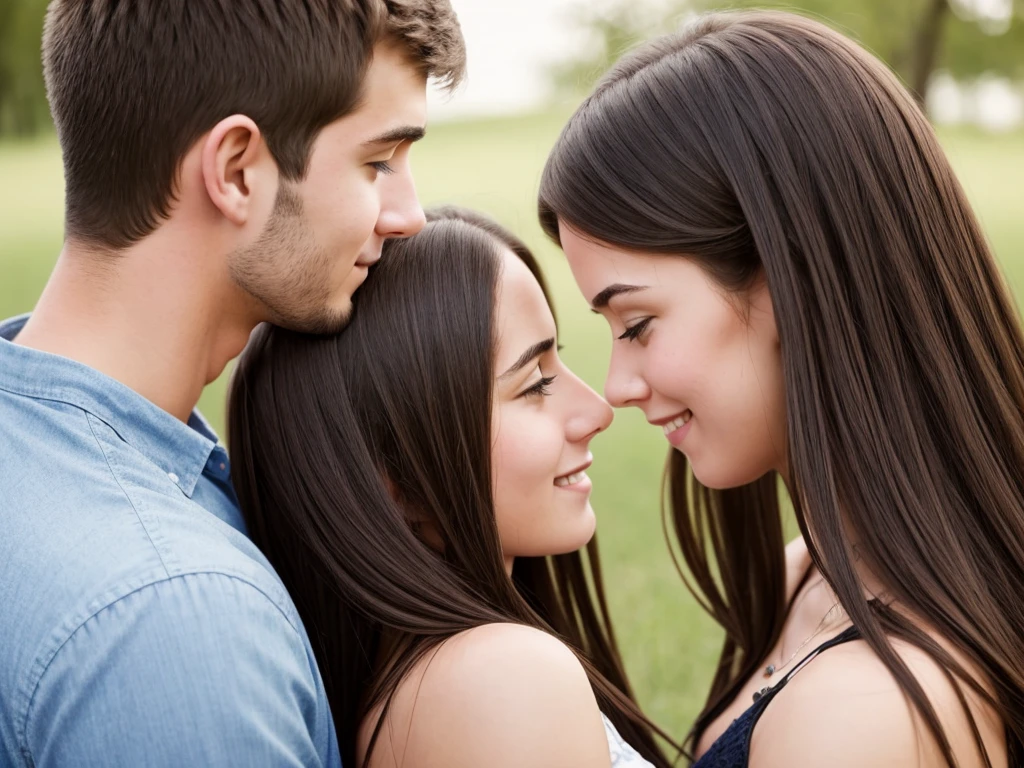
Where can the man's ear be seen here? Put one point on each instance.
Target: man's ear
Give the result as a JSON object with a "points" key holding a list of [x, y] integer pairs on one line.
{"points": [[229, 166]]}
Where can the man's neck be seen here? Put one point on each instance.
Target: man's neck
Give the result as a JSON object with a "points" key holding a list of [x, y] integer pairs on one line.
{"points": [[157, 318]]}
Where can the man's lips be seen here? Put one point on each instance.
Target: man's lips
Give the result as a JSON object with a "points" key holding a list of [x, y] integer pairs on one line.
{"points": [[369, 258]]}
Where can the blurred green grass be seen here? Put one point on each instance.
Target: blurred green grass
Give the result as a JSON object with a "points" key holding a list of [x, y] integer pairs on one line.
{"points": [[494, 166]]}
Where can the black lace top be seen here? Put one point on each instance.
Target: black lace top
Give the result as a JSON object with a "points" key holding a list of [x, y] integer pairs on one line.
{"points": [[732, 748]]}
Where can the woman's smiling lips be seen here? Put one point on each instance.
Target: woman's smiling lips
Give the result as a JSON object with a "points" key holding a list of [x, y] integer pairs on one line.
{"points": [[675, 427], [576, 479]]}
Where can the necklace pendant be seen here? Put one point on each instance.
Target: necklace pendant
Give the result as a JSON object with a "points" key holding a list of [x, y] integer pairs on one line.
{"points": [[769, 670]]}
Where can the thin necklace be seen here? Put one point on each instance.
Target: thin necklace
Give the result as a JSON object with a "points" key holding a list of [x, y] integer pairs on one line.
{"points": [[771, 669]]}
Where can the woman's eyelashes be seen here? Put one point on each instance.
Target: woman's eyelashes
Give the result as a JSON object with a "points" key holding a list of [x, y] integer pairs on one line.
{"points": [[540, 387], [635, 331]]}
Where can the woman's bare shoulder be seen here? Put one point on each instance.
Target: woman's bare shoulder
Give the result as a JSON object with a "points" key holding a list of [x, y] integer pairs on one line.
{"points": [[845, 709], [497, 695]]}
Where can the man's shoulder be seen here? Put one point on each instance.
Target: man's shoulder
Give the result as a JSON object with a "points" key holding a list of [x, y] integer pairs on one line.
{"points": [[135, 601], [204, 655], [92, 530], [86, 540], [83, 509], [121, 618], [75, 493], [67, 561]]}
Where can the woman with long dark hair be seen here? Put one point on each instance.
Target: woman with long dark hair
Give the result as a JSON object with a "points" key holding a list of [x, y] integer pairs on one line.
{"points": [[799, 290], [419, 482]]}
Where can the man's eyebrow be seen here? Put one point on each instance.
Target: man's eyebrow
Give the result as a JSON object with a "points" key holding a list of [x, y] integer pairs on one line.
{"points": [[404, 133], [601, 300], [532, 353]]}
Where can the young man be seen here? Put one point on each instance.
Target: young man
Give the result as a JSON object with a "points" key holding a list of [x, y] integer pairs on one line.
{"points": [[226, 163]]}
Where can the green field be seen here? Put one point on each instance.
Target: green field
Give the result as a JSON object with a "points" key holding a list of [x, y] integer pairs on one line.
{"points": [[495, 166]]}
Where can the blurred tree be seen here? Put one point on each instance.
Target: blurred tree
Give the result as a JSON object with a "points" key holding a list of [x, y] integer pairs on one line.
{"points": [[608, 29], [915, 37], [23, 108]]}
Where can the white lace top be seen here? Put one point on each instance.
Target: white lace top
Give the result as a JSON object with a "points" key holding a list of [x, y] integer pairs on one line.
{"points": [[623, 755]]}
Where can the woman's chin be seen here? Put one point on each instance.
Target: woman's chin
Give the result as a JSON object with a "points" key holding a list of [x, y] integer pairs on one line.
{"points": [[719, 478], [574, 537]]}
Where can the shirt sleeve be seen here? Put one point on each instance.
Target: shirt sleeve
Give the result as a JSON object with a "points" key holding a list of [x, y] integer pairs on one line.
{"points": [[200, 669]]}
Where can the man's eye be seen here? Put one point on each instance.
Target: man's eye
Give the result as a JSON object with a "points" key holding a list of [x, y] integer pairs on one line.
{"points": [[382, 166]]}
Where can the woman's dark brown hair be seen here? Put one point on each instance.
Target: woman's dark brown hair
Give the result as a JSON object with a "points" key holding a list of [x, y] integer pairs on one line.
{"points": [[765, 144], [343, 446]]}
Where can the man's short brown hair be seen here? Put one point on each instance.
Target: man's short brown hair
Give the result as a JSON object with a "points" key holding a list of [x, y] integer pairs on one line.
{"points": [[133, 85]]}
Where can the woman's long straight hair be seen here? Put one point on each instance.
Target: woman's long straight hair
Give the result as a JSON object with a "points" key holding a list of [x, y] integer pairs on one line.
{"points": [[765, 144], [343, 447]]}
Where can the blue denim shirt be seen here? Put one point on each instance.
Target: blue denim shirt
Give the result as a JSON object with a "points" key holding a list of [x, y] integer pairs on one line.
{"points": [[139, 625]]}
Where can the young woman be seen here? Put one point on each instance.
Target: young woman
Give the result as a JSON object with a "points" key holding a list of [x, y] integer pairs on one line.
{"points": [[419, 482], [798, 289]]}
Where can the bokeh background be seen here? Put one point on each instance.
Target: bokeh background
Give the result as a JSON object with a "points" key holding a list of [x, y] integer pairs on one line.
{"points": [[530, 62]]}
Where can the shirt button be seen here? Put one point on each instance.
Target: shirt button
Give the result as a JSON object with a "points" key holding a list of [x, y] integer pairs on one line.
{"points": [[174, 477], [223, 466]]}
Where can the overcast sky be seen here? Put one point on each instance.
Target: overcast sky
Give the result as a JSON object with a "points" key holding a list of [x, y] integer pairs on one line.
{"points": [[508, 44]]}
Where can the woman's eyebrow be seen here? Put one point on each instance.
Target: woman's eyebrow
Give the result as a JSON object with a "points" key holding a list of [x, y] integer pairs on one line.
{"points": [[601, 300], [532, 353]]}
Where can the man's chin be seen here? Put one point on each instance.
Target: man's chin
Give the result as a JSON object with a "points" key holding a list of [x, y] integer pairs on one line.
{"points": [[333, 320], [327, 321]]}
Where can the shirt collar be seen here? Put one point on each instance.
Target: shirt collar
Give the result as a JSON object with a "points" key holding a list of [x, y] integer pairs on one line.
{"points": [[179, 450]]}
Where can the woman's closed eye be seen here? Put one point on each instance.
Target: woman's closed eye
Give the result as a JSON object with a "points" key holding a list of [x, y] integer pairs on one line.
{"points": [[540, 387], [635, 331]]}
